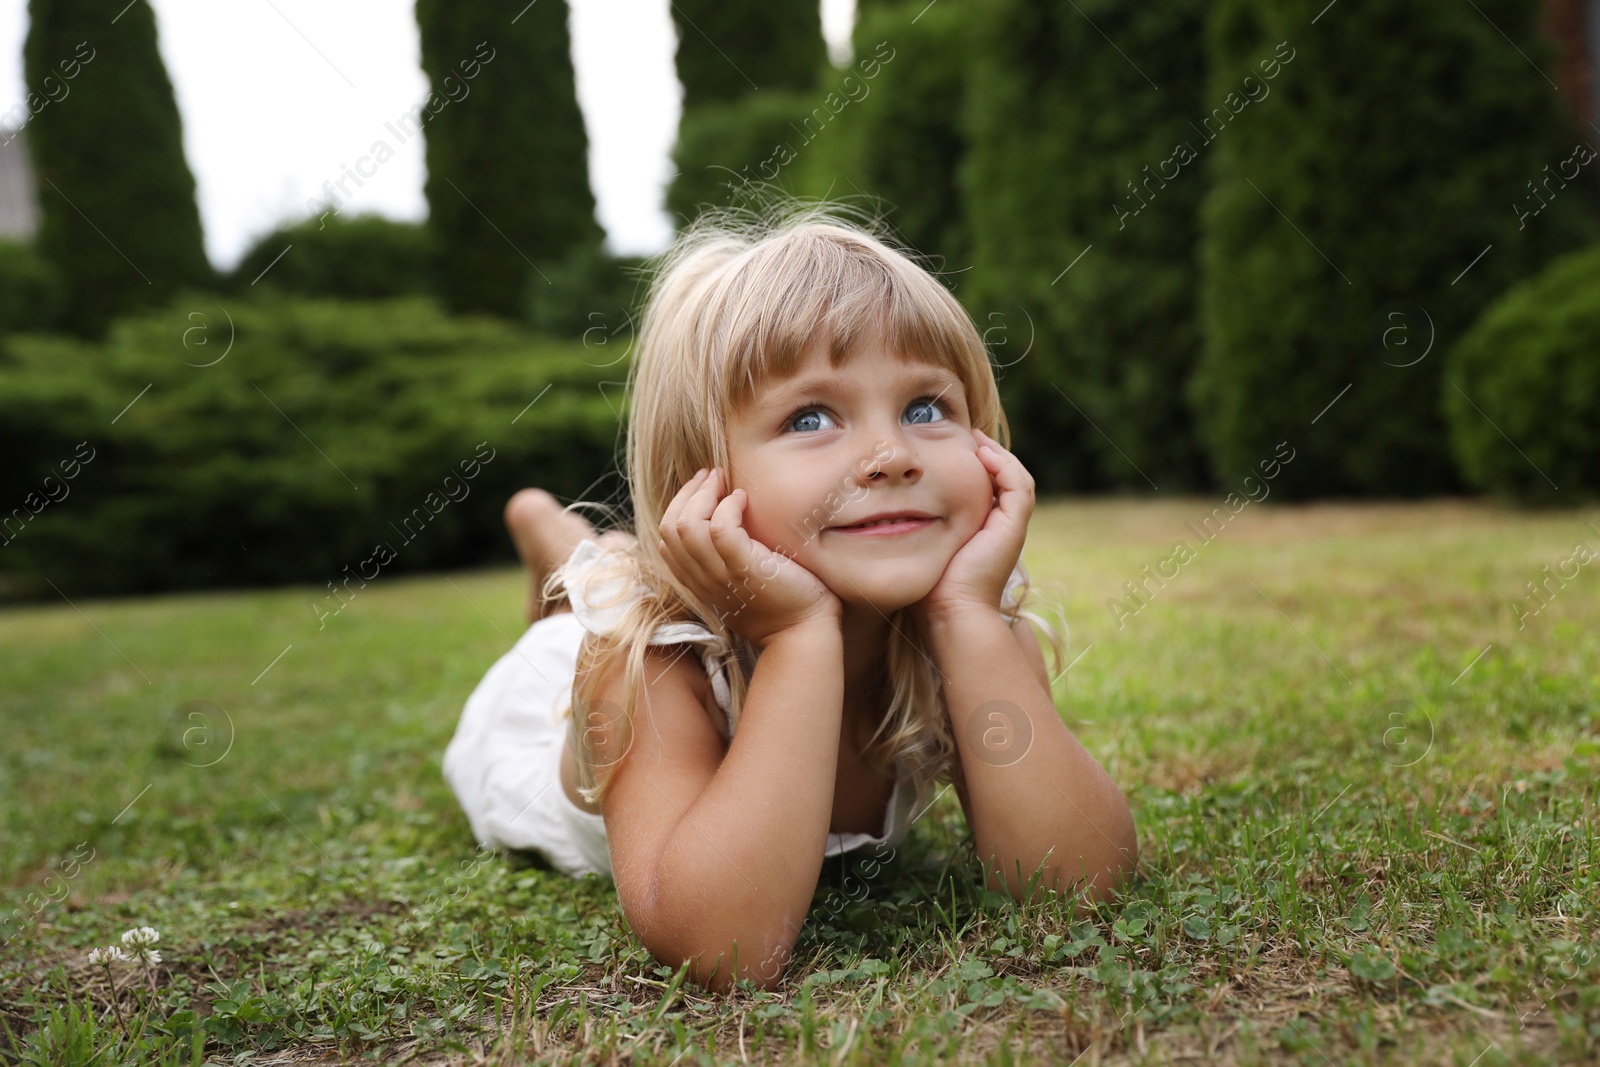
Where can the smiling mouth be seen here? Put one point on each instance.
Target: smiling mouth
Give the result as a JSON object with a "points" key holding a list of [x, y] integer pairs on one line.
{"points": [[886, 528]]}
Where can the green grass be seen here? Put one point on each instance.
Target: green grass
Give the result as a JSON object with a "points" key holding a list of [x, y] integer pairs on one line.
{"points": [[1366, 801]]}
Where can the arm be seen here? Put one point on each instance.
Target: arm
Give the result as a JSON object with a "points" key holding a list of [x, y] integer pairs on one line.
{"points": [[717, 856], [1054, 799], [1030, 651]]}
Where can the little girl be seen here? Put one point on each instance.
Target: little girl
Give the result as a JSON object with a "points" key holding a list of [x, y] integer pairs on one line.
{"points": [[822, 515]]}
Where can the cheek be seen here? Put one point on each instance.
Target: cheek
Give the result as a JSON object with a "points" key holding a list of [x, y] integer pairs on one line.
{"points": [[973, 485], [971, 495], [767, 520]]}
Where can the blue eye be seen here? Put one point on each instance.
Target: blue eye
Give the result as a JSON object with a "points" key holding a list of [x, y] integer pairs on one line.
{"points": [[932, 402], [815, 408], [788, 423]]}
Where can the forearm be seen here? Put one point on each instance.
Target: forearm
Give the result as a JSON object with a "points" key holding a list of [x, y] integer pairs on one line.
{"points": [[742, 864], [1048, 801]]}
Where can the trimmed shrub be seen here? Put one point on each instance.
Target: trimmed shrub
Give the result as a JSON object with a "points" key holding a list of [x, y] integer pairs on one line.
{"points": [[890, 125], [280, 441], [364, 257], [1373, 198], [1067, 141], [1522, 388], [591, 295], [118, 219], [725, 152], [728, 51], [30, 289], [508, 158], [748, 71]]}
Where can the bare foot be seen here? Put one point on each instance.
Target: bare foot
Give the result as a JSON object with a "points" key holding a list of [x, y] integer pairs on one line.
{"points": [[545, 536]]}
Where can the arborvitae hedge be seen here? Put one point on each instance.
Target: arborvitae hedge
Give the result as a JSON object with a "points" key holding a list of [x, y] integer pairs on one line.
{"points": [[361, 257], [1522, 389], [281, 440], [1364, 211], [594, 297], [889, 125], [30, 290], [118, 220], [725, 148], [1069, 142], [748, 72], [728, 51], [508, 169]]}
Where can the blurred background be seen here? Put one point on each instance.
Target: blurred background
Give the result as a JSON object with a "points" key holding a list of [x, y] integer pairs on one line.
{"points": [[285, 284]]}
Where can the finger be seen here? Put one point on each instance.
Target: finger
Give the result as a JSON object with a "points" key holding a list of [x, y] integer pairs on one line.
{"points": [[671, 548], [756, 558], [1012, 479], [736, 549], [674, 508], [726, 525], [694, 530]]}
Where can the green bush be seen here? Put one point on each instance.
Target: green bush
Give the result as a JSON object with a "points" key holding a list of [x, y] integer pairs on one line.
{"points": [[282, 440], [588, 295], [1522, 390], [726, 51], [30, 289], [365, 257], [507, 153], [1373, 196], [725, 151], [1069, 142], [889, 126], [747, 71], [117, 213]]}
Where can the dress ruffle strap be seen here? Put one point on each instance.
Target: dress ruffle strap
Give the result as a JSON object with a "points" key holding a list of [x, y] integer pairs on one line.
{"points": [[600, 603]]}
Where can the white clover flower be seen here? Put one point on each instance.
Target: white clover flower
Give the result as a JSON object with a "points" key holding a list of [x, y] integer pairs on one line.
{"points": [[141, 937], [140, 940], [108, 955]]}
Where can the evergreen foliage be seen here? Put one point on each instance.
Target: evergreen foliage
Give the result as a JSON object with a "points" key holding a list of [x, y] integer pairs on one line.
{"points": [[363, 257], [748, 71], [1092, 288], [1367, 211], [1522, 389], [118, 220], [508, 162]]}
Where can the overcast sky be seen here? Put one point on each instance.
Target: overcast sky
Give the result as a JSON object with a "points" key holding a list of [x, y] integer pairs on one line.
{"points": [[278, 96]]}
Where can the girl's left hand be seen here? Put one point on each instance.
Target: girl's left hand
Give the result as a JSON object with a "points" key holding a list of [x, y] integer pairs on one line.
{"points": [[976, 575]]}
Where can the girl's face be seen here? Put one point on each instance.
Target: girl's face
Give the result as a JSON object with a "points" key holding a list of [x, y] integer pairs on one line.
{"points": [[828, 448]]}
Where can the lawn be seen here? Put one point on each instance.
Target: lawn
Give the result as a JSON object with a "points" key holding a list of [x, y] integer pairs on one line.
{"points": [[1363, 769]]}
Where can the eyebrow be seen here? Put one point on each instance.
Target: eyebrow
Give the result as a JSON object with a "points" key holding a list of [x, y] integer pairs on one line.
{"points": [[791, 392]]}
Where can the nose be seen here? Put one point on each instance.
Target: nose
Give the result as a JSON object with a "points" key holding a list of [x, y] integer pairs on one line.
{"points": [[893, 459]]}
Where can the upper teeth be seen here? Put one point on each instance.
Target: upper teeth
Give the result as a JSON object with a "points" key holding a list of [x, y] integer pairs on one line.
{"points": [[883, 522]]}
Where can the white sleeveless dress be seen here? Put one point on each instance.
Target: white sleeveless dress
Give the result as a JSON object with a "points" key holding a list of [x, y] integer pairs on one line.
{"points": [[504, 762]]}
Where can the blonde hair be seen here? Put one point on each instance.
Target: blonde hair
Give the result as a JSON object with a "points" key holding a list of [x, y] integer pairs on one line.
{"points": [[739, 298]]}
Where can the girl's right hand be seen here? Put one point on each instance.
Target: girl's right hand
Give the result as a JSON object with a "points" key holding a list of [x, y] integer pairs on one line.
{"points": [[756, 591]]}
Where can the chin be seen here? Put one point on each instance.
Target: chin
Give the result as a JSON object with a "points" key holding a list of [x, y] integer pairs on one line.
{"points": [[886, 592]]}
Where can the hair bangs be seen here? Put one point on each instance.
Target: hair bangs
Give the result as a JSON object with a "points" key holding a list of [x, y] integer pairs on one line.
{"points": [[825, 286]]}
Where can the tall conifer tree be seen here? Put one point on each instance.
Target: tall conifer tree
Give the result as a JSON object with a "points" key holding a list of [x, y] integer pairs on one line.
{"points": [[1070, 266], [118, 219], [747, 71], [508, 157], [1396, 182]]}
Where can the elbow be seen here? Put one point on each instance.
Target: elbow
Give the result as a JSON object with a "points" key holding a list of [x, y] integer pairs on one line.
{"points": [[723, 942], [719, 968], [721, 947], [1092, 875], [1103, 879]]}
